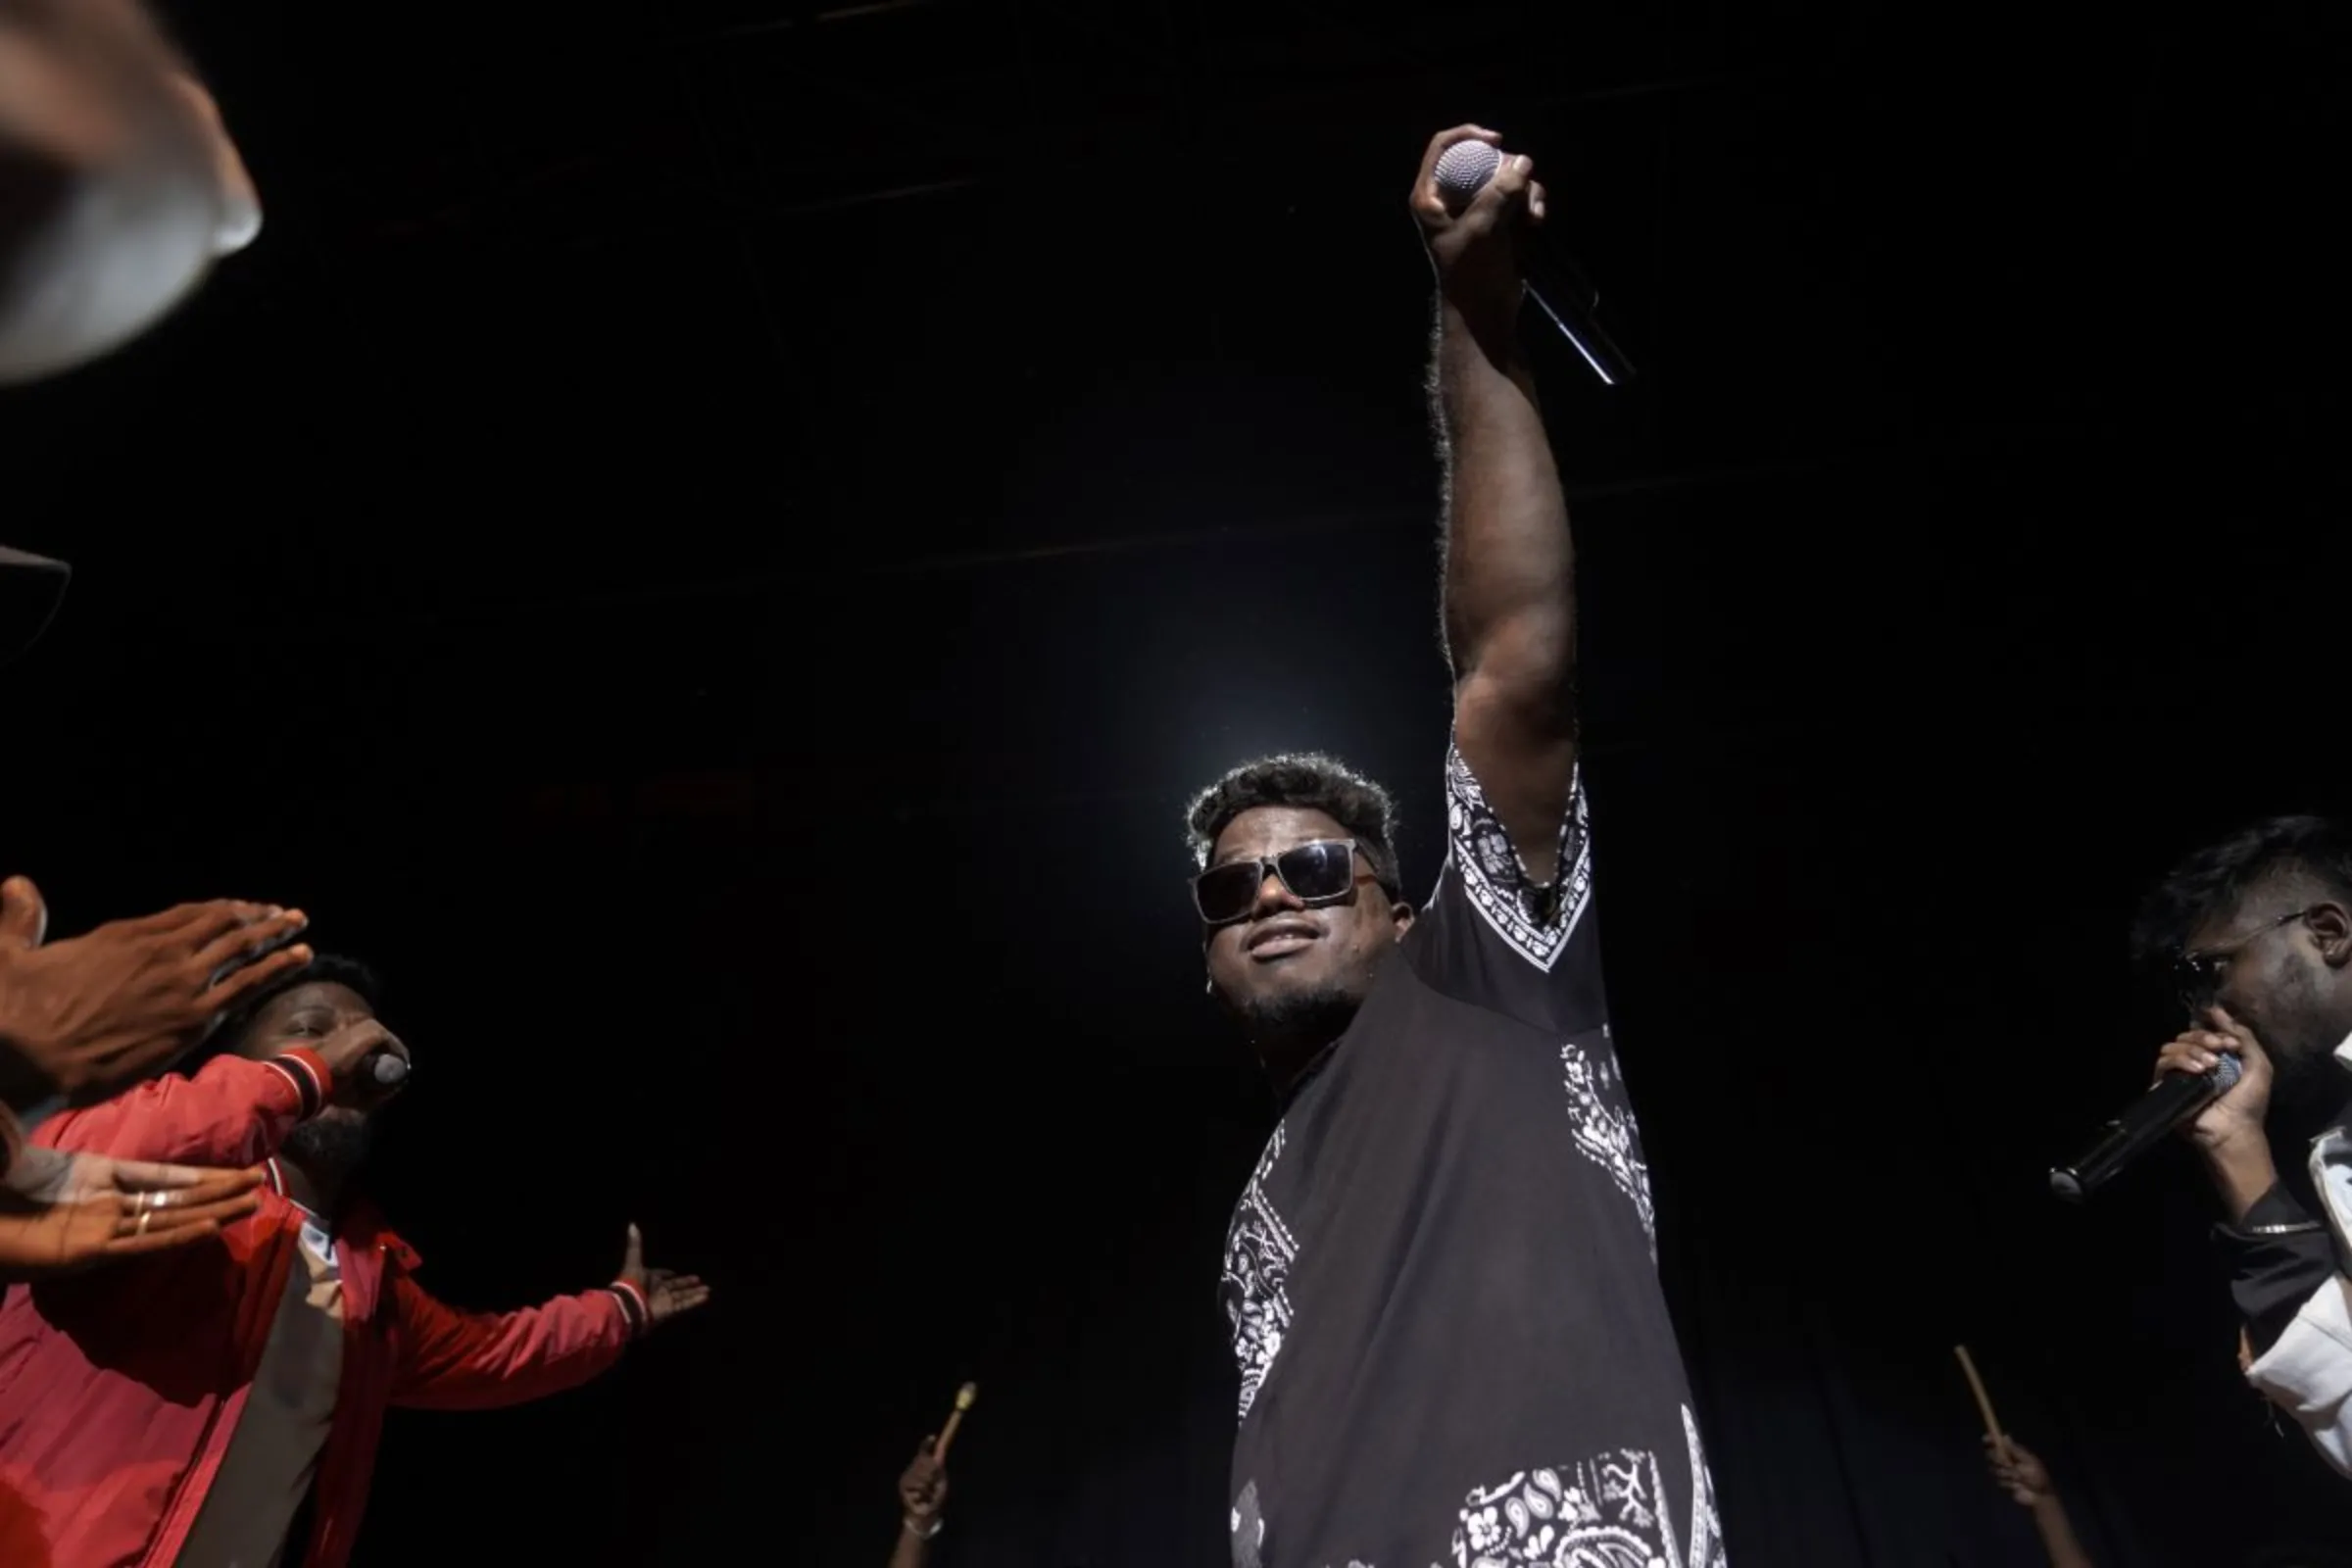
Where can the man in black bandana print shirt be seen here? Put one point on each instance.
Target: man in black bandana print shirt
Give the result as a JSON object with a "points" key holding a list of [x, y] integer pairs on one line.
{"points": [[1442, 1278]]}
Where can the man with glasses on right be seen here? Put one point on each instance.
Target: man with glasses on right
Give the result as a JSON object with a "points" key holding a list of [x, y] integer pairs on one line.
{"points": [[2258, 931]]}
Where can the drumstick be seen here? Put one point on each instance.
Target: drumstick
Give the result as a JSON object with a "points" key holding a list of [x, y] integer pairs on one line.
{"points": [[1992, 1424], [947, 1435]]}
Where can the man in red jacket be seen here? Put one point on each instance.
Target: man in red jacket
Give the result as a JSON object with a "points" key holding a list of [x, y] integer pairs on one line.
{"points": [[206, 1435]]}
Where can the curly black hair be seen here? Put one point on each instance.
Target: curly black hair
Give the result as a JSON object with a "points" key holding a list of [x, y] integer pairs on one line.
{"points": [[1309, 781], [324, 968], [2216, 877]]}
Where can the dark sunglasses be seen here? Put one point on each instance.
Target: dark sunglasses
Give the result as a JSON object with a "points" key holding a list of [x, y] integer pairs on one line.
{"points": [[1320, 872], [2197, 974]]}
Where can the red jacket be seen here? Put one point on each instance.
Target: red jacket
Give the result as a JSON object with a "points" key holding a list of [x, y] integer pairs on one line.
{"points": [[119, 1388]]}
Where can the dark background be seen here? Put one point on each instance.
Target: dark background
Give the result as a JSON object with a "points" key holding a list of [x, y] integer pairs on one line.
{"points": [[711, 541]]}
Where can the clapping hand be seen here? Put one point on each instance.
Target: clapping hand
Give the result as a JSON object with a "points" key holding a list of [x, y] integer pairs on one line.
{"points": [[61, 1213], [83, 1016]]}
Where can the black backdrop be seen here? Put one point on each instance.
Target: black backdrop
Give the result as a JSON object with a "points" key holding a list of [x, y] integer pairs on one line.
{"points": [[734, 658]]}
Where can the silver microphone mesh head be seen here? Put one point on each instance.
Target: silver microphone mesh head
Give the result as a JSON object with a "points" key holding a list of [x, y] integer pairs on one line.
{"points": [[2225, 1073], [388, 1069], [1464, 171]]}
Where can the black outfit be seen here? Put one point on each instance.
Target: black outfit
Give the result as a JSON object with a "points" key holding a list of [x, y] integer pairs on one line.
{"points": [[1442, 1278], [2275, 1268]]}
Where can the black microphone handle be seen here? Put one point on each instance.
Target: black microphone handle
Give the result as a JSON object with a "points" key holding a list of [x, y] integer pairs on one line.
{"points": [[2147, 1122], [1553, 282], [1583, 332]]}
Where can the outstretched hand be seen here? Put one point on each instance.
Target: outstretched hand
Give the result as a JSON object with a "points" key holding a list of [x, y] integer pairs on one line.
{"points": [[61, 1213], [666, 1292]]}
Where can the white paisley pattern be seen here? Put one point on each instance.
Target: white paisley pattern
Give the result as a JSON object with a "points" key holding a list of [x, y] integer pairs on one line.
{"points": [[1606, 1133], [1497, 884], [1259, 1250], [1610, 1511], [1249, 1530]]}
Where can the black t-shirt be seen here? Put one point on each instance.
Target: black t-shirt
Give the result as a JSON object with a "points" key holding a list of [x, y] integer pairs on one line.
{"points": [[1443, 1278]]}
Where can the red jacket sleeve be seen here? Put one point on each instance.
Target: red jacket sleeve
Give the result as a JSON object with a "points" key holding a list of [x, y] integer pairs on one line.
{"points": [[233, 1112], [452, 1360]]}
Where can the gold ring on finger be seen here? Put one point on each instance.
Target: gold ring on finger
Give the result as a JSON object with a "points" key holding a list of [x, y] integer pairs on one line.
{"points": [[144, 1216]]}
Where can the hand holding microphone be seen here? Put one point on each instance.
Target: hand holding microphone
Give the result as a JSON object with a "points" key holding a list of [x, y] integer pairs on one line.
{"points": [[2243, 1105], [1478, 209], [2212, 1084], [1473, 203], [368, 1060]]}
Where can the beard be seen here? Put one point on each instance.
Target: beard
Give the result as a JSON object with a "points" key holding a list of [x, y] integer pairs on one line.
{"points": [[2309, 1096], [1290, 1030], [2305, 1025], [331, 1144], [2302, 1076]]}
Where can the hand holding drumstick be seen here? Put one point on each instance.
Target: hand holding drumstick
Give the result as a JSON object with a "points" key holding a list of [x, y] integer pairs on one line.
{"points": [[2025, 1478], [923, 1489]]}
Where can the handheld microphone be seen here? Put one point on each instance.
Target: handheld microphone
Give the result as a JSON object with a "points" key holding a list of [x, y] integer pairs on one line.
{"points": [[1464, 171], [2146, 1122], [388, 1069]]}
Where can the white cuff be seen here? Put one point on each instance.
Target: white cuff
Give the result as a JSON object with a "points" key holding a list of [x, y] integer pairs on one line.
{"points": [[2308, 1373]]}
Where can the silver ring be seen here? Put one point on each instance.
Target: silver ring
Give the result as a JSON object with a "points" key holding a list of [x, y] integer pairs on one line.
{"points": [[155, 1199]]}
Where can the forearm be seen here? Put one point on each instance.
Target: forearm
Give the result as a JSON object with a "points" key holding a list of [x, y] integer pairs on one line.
{"points": [[1509, 613], [452, 1360], [25, 1083], [2057, 1533], [2277, 1255], [1509, 565], [2242, 1172], [912, 1551], [232, 1112]]}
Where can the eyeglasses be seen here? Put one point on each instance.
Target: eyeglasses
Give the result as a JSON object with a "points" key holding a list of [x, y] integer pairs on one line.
{"points": [[2197, 973], [1319, 872]]}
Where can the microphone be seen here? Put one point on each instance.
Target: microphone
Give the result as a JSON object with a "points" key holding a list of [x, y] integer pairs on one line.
{"points": [[1464, 171], [388, 1069], [2146, 1122]]}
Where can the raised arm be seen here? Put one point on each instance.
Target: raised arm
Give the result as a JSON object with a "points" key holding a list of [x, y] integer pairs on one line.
{"points": [[2016, 1471], [1509, 574], [233, 1112], [922, 1500]]}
